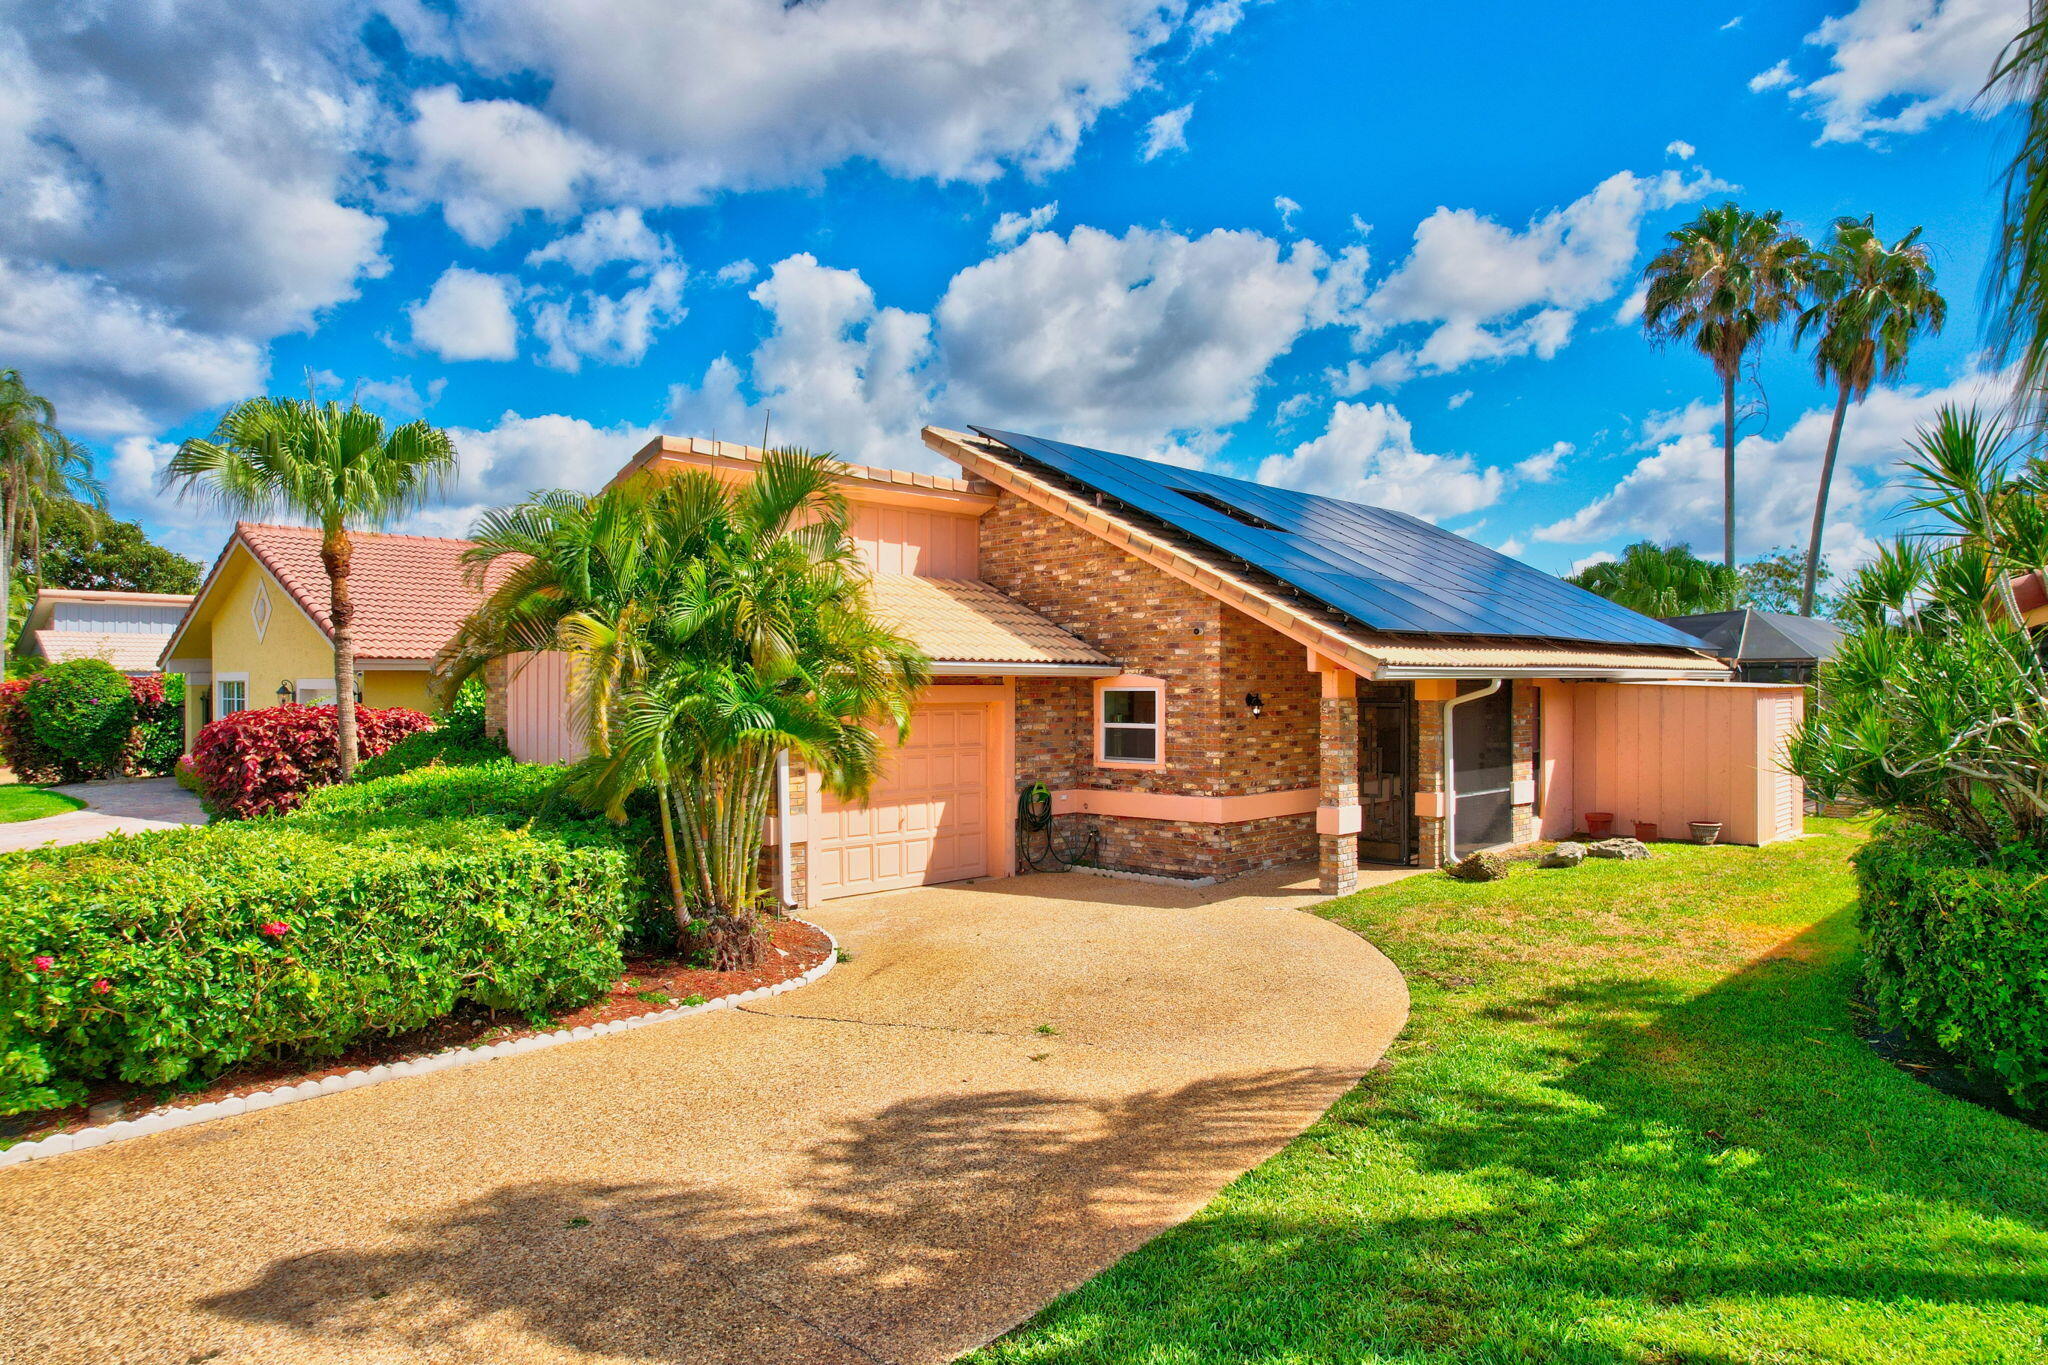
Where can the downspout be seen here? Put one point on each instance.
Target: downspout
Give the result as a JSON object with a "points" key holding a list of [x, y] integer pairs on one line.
{"points": [[782, 827], [1450, 780]]}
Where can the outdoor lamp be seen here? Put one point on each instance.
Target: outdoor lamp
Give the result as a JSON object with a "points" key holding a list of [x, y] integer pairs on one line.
{"points": [[284, 691], [1256, 702]]}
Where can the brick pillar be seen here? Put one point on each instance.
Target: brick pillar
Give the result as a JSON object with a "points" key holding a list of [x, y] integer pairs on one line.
{"points": [[1524, 701], [1432, 801], [1337, 812], [497, 684]]}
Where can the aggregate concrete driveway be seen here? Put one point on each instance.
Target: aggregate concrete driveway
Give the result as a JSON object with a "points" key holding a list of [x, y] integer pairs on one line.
{"points": [[892, 1165]]}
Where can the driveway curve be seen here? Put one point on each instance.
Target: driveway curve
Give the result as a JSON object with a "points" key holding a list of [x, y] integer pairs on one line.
{"points": [[1008, 1086]]}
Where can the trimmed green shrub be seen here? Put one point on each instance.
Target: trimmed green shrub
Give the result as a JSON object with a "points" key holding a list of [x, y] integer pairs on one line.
{"points": [[1957, 950], [81, 711], [159, 723], [457, 740], [379, 908]]}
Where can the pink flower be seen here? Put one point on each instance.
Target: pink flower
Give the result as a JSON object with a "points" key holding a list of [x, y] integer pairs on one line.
{"points": [[102, 986], [273, 928], [43, 963]]}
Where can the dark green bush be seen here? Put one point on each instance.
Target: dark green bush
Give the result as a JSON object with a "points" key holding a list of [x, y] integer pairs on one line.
{"points": [[1957, 950], [81, 711], [375, 910]]}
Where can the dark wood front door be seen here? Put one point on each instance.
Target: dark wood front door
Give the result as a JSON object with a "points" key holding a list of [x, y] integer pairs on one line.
{"points": [[1383, 784]]}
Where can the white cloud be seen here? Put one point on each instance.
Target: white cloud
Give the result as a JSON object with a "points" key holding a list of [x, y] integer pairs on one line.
{"points": [[671, 103], [1213, 20], [614, 330], [1896, 66], [1458, 399], [501, 464], [1734, 23], [741, 271], [1512, 547], [137, 464], [1630, 310], [604, 237], [1286, 208], [1490, 292], [1695, 417], [1125, 338], [399, 397], [487, 161], [467, 316], [1167, 132], [1291, 407], [1772, 78], [1543, 465], [1674, 494], [1579, 566], [1012, 226], [1368, 454], [1680, 148]]}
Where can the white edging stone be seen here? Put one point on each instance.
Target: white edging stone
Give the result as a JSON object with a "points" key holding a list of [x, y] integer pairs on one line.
{"points": [[164, 1120]]}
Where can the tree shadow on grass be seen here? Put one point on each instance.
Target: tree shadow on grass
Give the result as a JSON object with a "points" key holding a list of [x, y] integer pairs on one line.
{"points": [[910, 1235]]}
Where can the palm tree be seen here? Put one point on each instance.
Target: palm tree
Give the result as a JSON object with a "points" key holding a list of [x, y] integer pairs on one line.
{"points": [[2017, 283], [1724, 281], [333, 466], [39, 467], [1869, 302], [710, 627], [1662, 580]]}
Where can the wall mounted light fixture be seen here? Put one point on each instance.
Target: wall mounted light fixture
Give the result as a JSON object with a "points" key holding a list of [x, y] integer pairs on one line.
{"points": [[284, 691], [1255, 703]]}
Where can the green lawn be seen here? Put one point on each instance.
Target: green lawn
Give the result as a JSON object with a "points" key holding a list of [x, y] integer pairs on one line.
{"points": [[1628, 1122], [18, 802]]}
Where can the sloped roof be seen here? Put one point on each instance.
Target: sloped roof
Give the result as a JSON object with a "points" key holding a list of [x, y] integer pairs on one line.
{"points": [[1763, 636], [129, 651], [411, 592], [958, 620]]}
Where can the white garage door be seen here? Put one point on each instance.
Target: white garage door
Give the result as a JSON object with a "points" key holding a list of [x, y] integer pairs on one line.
{"points": [[926, 819]]}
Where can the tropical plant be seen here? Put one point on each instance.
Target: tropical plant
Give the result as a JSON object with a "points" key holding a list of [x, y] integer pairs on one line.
{"points": [[336, 467], [2017, 292], [1869, 300], [1662, 580], [39, 467], [1725, 279], [1935, 706], [711, 628], [1773, 581], [84, 548]]}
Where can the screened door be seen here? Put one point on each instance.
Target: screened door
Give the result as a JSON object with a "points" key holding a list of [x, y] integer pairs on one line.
{"points": [[1483, 769], [1383, 782]]}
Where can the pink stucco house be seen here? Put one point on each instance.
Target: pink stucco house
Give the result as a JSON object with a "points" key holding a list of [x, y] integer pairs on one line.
{"points": [[1211, 677]]}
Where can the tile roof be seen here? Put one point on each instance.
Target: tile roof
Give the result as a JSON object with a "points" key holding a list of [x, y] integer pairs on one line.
{"points": [[411, 592], [965, 621], [130, 651]]}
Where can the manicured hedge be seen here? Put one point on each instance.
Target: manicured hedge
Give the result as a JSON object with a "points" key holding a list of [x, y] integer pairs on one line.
{"points": [[457, 739], [45, 736], [380, 908], [1958, 951], [264, 762]]}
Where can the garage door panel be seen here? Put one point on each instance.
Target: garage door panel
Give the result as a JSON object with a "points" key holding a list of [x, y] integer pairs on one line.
{"points": [[926, 819]]}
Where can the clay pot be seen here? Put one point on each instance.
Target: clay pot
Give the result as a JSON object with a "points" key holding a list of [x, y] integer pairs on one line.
{"points": [[1706, 831], [1598, 822], [1646, 832]]}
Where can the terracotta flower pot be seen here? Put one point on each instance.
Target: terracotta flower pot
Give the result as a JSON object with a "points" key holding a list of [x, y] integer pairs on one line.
{"points": [[1646, 832], [1598, 822], [1706, 831]]}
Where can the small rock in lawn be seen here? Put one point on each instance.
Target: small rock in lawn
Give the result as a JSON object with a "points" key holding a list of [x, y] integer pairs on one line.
{"points": [[1478, 867], [1629, 849], [1566, 854]]}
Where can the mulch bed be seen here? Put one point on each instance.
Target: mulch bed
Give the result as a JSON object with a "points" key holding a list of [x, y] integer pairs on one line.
{"points": [[1930, 1066], [648, 986]]}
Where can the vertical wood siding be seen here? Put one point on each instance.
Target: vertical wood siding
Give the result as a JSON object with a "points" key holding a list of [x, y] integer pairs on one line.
{"points": [[538, 728]]}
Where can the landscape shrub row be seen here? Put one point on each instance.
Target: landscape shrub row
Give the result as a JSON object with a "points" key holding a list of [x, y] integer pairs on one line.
{"points": [[84, 719], [1957, 950], [381, 907], [263, 762], [457, 739]]}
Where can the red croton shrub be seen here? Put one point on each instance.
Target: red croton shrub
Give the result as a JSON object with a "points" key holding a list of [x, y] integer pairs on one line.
{"points": [[264, 762]]}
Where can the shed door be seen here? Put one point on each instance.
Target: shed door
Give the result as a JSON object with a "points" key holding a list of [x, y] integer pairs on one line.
{"points": [[927, 818]]}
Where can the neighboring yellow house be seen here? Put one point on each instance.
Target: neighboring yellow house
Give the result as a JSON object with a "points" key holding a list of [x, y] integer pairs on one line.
{"points": [[258, 633]]}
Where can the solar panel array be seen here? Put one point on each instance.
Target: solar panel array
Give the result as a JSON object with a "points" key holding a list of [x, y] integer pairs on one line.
{"points": [[1384, 569]]}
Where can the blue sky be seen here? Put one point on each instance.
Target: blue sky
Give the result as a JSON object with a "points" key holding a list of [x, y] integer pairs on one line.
{"points": [[1380, 252]]}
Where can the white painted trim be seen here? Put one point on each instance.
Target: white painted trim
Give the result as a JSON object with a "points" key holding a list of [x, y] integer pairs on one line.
{"points": [[162, 1120], [1405, 672], [958, 668]]}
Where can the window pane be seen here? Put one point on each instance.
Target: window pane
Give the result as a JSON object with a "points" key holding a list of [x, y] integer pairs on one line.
{"points": [[1136, 744], [1121, 707]]}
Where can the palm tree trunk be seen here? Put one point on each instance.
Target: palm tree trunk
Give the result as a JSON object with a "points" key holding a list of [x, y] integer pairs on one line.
{"points": [[336, 551], [1820, 501], [1728, 469], [678, 902], [6, 580]]}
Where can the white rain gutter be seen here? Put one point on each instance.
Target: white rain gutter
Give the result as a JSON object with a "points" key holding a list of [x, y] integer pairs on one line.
{"points": [[1406, 672], [782, 826], [1450, 770]]}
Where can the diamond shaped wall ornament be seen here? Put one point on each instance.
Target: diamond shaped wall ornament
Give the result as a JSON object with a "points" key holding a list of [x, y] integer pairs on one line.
{"points": [[259, 609]]}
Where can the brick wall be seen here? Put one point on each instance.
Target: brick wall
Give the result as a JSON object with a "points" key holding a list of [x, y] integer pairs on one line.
{"points": [[497, 691], [1209, 657], [1523, 702]]}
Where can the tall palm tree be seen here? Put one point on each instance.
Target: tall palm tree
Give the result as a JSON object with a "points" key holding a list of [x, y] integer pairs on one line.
{"points": [[1725, 279], [335, 467], [2017, 282], [1662, 580], [1869, 301], [710, 626], [39, 466]]}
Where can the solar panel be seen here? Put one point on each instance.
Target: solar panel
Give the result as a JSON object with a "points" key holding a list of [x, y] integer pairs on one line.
{"points": [[1384, 569]]}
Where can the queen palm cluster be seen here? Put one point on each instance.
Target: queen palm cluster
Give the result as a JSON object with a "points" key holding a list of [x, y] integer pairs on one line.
{"points": [[710, 625]]}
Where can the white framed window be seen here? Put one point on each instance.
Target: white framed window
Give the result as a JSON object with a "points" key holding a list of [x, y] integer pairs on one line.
{"points": [[1130, 722], [230, 694], [314, 692]]}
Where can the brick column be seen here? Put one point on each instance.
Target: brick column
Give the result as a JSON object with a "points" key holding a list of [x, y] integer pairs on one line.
{"points": [[1337, 812], [497, 688], [1525, 702], [1432, 801]]}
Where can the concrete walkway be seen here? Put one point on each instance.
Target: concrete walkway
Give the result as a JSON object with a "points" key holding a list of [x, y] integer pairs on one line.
{"points": [[111, 808], [1008, 1087]]}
